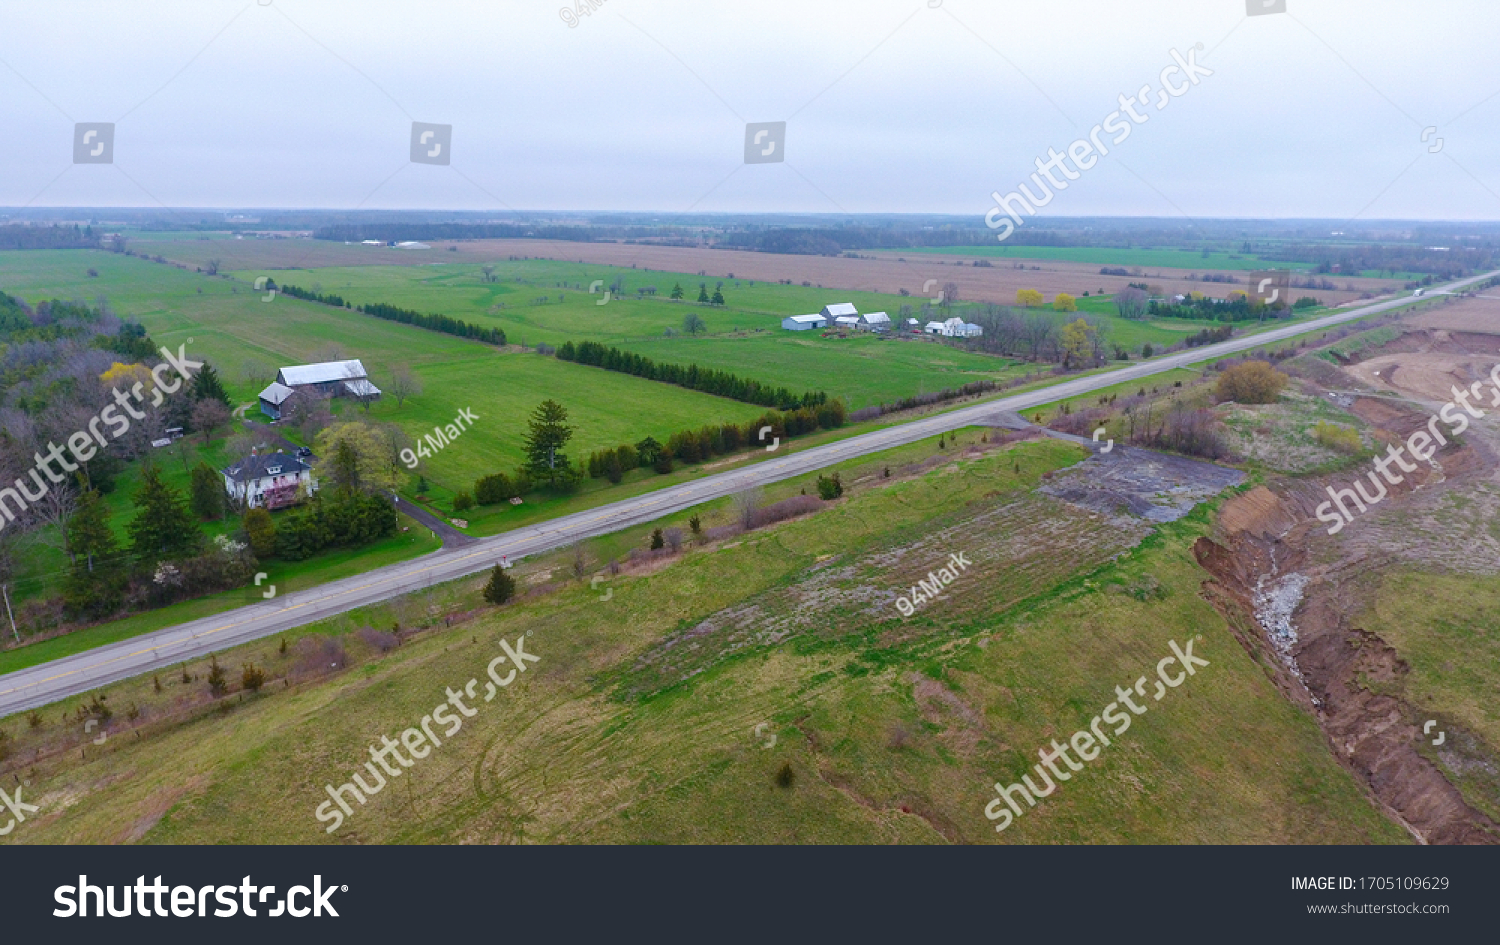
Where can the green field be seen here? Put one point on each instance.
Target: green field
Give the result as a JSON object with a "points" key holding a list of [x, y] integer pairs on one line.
{"points": [[886, 730]]}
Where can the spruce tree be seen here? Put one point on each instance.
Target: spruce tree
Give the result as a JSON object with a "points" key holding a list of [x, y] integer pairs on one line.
{"points": [[501, 588], [90, 539], [703, 292], [95, 584], [207, 492], [207, 386], [163, 528], [547, 433]]}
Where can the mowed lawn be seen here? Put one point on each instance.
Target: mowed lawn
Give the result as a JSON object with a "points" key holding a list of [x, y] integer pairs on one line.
{"points": [[605, 408], [862, 369]]}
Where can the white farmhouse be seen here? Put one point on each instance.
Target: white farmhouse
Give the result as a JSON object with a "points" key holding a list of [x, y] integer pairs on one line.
{"points": [[954, 328], [803, 322], [268, 481]]}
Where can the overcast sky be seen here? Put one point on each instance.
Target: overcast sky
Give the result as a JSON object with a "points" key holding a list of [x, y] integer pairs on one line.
{"points": [[891, 105]]}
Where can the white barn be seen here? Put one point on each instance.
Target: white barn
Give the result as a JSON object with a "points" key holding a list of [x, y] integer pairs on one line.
{"points": [[803, 322], [847, 321], [330, 378], [836, 310], [875, 321]]}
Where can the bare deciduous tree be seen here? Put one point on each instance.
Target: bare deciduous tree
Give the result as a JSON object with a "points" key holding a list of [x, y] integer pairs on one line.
{"points": [[208, 416], [403, 384], [746, 504], [1130, 302], [332, 351], [255, 373]]}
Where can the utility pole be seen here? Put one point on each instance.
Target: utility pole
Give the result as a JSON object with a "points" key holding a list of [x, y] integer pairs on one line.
{"points": [[5, 590]]}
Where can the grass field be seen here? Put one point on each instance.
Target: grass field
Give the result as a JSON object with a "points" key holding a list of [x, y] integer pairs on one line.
{"points": [[885, 730], [1447, 630]]}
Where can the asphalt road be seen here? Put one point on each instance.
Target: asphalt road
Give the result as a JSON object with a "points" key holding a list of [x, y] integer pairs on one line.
{"points": [[83, 672]]}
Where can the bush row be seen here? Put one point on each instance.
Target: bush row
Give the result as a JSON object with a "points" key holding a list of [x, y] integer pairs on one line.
{"points": [[692, 446], [720, 383]]}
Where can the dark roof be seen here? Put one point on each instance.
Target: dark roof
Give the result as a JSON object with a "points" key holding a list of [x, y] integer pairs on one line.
{"points": [[256, 467]]}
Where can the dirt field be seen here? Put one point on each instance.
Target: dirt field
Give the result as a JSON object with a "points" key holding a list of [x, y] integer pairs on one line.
{"points": [[1427, 365], [1481, 313], [887, 273]]}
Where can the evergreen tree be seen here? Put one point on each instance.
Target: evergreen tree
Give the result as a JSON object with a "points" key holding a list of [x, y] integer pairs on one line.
{"points": [[501, 588], [703, 292], [718, 298], [649, 451], [261, 532], [95, 584], [547, 433], [207, 492], [163, 528], [207, 386], [89, 537], [677, 291]]}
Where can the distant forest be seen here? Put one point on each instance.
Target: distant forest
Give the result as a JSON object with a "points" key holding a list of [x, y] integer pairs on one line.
{"points": [[48, 237]]}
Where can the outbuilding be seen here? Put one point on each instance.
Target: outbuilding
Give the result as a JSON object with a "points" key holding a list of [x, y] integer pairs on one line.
{"points": [[803, 322]]}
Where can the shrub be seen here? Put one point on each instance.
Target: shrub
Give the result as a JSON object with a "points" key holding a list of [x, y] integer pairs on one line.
{"points": [[657, 540], [252, 677], [786, 776], [261, 531], [501, 588], [462, 501], [1338, 438], [377, 639], [1253, 382], [217, 684], [696, 524], [492, 490], [830, 488]]}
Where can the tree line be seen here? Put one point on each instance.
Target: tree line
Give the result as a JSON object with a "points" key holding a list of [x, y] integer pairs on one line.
{"points": [[709, 381], [693, 446], [446, 324], [48, 237], [548, 432]]}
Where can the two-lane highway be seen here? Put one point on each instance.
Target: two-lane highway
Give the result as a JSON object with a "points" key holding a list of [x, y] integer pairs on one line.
{"points": [[80, 673]]}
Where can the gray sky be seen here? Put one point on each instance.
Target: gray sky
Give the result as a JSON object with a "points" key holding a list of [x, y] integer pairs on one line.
{"points": [[891, 105]]}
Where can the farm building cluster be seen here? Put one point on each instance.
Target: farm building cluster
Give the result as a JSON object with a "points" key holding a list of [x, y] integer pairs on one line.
{"points": [[845, 315]]}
